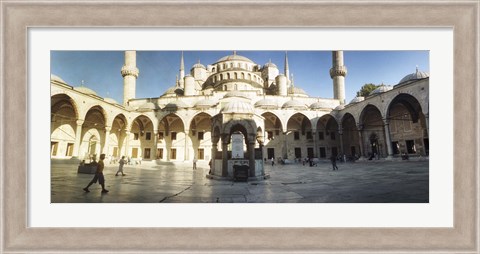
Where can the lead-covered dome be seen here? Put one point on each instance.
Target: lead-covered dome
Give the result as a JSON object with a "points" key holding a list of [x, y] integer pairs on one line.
{"points": [[235, 94], [205, 103], [239, 106], [266, 104], [294, 104], [85, 90], [381, 89], [234, 57], [320, 105], [54, 77], [414, 76], [357, 99], [110, 100], [148, 106], [176, 105], [198, 65]]}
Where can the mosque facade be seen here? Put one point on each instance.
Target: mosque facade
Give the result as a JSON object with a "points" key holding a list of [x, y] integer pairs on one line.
{"points": [[197, 116]]}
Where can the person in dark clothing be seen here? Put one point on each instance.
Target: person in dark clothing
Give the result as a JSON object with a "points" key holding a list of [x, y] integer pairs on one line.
{"points": [[333, 159], [98, 176]]}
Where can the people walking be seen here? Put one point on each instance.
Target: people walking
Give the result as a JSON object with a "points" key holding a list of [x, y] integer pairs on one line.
{"points": [[273, 162], [194, 163], [333, 159], [98, 176], [121, 162]]}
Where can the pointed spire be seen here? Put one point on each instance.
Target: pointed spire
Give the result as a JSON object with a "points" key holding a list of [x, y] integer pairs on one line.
{"points": [[234, 52], [291, 78], [176, 81], [287, 71], [416, 68], [182, 66]]}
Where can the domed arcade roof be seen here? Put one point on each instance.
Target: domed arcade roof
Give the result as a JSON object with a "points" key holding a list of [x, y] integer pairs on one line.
{"points": [[320, 105], [381, 89], [85, 90], [110, 100], [294, 104], [414, 76], [54, 77], [238, 107], [235, 94], [266, 104], [357, 99], [198, 65], [339, 107], [148, 106], [176, 105], [205, 103]]}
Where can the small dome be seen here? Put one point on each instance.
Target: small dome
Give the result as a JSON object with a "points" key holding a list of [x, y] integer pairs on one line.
{"points": [[174, 90], [238, 107], [198, 65], [176, 105], [294, 104], [54, 77], [85, 90], [270, 65], [340, 107], [148, 106], [266, 104], [233, 58], [110, 100], [297, 90], [381, 89], [320, 105], [357, 99], [414, 76], [205, 103], [235, 94]]}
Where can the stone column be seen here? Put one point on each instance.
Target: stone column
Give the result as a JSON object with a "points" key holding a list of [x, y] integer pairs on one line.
{"points": [[107, 141], [224, 157], [251, 159], [285, 154], [340, 134], [185, 157], [127, 149], [155, 143], [360, 141], [387, 139], [214, 153], [426, 123], [78, 138], [315, 148]]}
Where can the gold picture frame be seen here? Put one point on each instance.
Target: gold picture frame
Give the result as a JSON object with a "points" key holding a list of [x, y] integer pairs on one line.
{"points": [[19, 16]]}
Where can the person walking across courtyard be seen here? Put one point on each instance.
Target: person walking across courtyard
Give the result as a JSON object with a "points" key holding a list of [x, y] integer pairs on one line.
{"points": [[333, 159], [273, 162], [194, 163], [98, 176], [120, 166]]}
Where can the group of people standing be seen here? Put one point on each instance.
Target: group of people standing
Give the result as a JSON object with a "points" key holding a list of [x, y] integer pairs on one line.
{"points": [[100, 178]]}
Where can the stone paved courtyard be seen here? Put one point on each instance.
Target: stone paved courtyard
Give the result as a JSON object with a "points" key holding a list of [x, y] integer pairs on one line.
{"points": [[359, 182]]}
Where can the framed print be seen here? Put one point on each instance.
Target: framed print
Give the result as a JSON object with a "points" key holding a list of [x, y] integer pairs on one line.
{"points": [[36, 34]]}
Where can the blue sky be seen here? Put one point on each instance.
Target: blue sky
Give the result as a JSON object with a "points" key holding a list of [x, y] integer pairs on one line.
{"points": [[100, 70]]}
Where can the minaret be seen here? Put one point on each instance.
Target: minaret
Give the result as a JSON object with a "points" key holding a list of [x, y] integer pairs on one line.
{"points": [[130, 74], [338, 73], [182, 72], [287, 71]]}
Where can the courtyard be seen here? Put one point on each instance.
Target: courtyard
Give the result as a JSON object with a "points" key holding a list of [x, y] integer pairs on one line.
{"points": [[359, 182]]}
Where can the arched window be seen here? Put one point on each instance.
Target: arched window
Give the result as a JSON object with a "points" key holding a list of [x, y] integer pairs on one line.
{"points": [[228, 75], [224, 87], [213, 69], [243, 75], [249, 76], [236, 75]]}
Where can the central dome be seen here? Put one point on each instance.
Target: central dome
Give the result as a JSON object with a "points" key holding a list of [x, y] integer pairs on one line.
{"points": [[234, 57]]}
